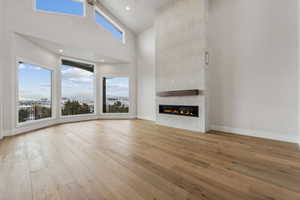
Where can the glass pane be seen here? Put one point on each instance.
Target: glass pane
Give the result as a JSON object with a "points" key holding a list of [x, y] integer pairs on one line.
{"points": [[116, 95], [71, 7], [77, 87], [35, 85], [101, 20]]}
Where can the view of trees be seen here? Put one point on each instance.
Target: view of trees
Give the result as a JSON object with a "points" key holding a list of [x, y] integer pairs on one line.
{"points": [[115, 95], [35, 92], [35, 112], [23, 114], [75, 108], [118, 107]]}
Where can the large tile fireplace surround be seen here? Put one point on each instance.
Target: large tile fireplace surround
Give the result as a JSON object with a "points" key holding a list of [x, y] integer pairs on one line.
{"points": [[182, 111], [180, 64]]}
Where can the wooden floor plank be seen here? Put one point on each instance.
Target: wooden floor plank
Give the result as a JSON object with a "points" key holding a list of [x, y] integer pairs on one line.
{"points": [[139, 160]]}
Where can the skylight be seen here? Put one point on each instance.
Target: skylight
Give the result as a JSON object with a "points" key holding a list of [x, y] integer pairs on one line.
{"points": [[70, 7], [109, 25]]}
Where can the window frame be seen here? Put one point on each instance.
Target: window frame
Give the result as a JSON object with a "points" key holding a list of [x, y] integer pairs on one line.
{"points": [[129, 92], [60, 89], [61, 13], [110, 20], [17, 96]]}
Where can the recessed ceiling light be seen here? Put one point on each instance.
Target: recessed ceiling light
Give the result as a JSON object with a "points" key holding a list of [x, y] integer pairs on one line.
{"points": [[128, 8], [61, 51], [102, 60]]}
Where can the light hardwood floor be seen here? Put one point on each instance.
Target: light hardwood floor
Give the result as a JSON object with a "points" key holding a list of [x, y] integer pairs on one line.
{"points": [[138, 160]]}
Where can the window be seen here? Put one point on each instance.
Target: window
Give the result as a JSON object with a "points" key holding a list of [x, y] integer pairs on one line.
{"points": [[115, 95], [71, 7], [77, 88], [34, 92], [109, 25]]}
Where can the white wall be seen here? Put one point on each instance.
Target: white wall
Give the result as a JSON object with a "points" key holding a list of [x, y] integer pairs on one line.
{"points": [[77, 32], [1, 64], [298, 73], [27, 52], [180, 65], [118, 70], [253, 46], [146, 75], [67, 29]]}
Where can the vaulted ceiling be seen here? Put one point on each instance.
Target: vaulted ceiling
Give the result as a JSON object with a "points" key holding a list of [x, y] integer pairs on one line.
{"points": [[138, 15], [71, 52]]}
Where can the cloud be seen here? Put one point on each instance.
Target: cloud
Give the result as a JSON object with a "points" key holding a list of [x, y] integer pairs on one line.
{"points": [[69, 85], [22, 66], [118, 90], [29, 66], [45, 85], [30, 95], [77, 75]]}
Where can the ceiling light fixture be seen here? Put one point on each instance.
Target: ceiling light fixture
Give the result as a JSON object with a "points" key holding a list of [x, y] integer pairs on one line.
{"points": [[92, 2], [102, 60], [128, 8], [61, 51]]}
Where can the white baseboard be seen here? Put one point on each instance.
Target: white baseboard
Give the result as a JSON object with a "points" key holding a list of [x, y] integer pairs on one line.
{"points": [[33, 127], [254, 133], [179, 127], [45, 124], [117, 117], [6, 133], [146, 118], [1, 133], [76, 119]]}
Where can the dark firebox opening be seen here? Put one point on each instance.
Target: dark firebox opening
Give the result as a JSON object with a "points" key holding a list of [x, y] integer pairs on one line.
{"points": [[190, 111]]}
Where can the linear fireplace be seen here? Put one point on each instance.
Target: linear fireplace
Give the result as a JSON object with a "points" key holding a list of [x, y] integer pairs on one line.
{"points": [[190, 111]]}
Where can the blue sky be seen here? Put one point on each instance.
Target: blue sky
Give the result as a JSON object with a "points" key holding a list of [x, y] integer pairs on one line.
{"points": [[73, 7], [34, 82], [118, 86], [77, 83], [108, 26], [61, 6], [80, 83]]}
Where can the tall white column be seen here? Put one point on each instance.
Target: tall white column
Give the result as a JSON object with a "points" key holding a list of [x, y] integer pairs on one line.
{"points": [[299, 73], [1, 65]]}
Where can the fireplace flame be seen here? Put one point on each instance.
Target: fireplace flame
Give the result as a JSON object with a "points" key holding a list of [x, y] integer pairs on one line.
{"points": [[180, 110]]}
